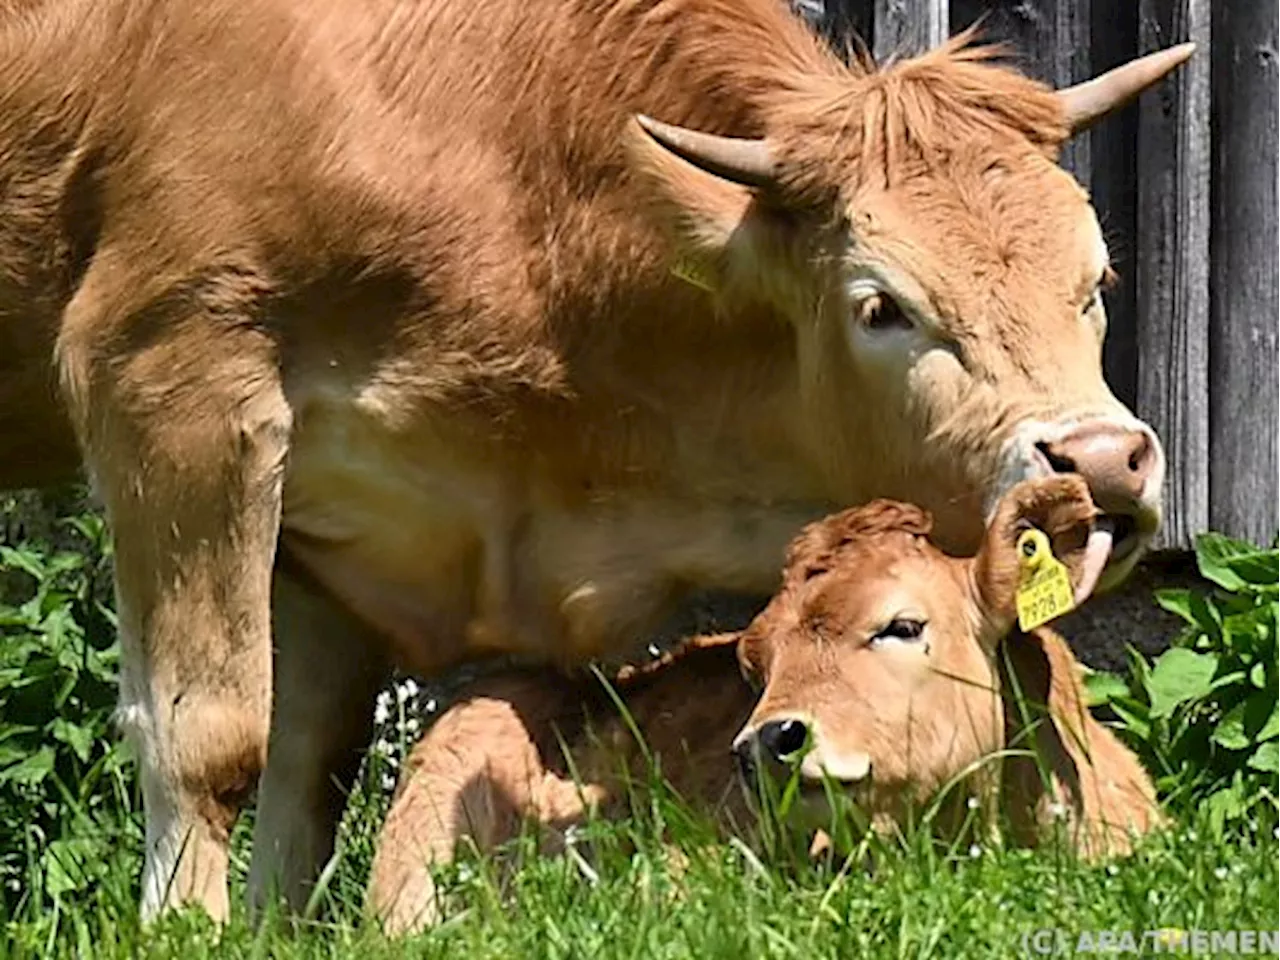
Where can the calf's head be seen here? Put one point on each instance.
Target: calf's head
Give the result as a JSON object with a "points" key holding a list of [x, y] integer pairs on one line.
{"points": [[942, 274], [878, 657]]}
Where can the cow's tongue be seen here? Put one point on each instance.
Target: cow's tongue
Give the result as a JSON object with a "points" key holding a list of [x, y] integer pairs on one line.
{"points": [[1096, 554]]}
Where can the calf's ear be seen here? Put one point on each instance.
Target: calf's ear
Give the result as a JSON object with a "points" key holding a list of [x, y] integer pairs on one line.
{"points": [[1062, 508], [1065, 768]]}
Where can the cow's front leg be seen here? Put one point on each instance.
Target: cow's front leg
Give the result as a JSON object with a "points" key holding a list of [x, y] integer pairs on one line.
{"points": [[328, 668], [185, 431]]}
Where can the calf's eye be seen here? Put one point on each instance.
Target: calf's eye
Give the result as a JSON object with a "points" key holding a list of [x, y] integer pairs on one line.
{"points": [[902, 629]]}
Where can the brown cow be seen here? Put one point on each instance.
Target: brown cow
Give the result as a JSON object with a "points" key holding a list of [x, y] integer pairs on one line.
{"points": [[889, 670], [386, 334]]}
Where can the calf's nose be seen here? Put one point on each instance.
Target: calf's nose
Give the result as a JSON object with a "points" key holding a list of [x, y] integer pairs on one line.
{"points": [[779, 739], [1117, 462]]}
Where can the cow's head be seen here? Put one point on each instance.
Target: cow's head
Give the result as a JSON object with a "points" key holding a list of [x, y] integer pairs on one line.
{"points": [[878, 657], [943, 276]]}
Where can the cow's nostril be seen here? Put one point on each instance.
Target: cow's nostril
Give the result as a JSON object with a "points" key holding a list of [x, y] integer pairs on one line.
{"points": [[1141, 455], [780, 739], [1058, 463]]}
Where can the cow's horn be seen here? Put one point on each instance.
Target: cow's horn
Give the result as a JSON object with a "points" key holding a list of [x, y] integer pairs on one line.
{"points": [[1086, 102], [747, 162]]}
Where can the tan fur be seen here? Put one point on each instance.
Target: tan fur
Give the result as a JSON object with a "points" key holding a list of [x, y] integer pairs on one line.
{"points": [[488, 764], [390, 285]]}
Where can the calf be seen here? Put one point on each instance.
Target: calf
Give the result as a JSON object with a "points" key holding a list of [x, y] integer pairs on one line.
{"points": [[888, 669]]}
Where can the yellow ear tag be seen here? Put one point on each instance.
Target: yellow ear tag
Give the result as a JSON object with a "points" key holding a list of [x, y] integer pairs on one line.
{"points": [[1044, 588], [688, 271]]}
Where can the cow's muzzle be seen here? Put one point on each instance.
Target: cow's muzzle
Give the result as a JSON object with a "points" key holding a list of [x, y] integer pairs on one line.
{"points": [[1121, 460]]}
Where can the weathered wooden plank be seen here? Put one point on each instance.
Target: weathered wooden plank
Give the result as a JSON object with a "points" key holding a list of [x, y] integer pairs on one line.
{"points": [[842, 22], [1242, 359], [1113, 149], [1173, 262], [906, 27], [1051, 38]]}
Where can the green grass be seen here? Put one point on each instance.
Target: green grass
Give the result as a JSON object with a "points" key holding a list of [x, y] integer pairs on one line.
{"points": [[629, 896]]}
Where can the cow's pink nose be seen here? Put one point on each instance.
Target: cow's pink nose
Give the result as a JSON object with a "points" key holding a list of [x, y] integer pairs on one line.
{"points": [[1116, 461]]}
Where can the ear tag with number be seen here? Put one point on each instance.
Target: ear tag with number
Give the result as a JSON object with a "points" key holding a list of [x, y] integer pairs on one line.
{"points": [[1044, 587]]}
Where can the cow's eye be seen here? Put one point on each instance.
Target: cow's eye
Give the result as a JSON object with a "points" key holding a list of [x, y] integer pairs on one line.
{"points": [[1094, 301], [1106, 281], [881, 313], [902, 629]]}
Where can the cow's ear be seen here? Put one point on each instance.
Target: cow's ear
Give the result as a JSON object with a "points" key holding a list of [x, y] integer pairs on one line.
{"points": [[1062, 508], [727, 238]]}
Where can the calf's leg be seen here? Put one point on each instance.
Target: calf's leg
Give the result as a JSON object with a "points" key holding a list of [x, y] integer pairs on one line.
{"points": [[478, 774], [184, 428]]}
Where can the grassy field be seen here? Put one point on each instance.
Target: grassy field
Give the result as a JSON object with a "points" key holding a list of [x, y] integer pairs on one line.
{"points": [[633, 896], [1203, 717]]}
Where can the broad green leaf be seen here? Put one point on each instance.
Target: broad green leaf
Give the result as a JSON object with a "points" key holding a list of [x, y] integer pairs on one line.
{"points": [[1267, 757], [1245, 631], [1245, 722], [1103, 687], [1213, 555], [1258, 675], [79, 739], [70, 863], [1178, 601], [31, 770], [1271, 726], [1260, 568], [24, 559], [1179, 675]]}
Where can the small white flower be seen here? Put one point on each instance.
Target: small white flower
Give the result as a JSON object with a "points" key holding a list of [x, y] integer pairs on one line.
{"points": [[1221, 873], [410, 687], [1058, 810], [465, 873], [1113, 870], [430, 705], [388, 781], [383, 747], [654, 651], [973, 803], [381, 712], [402, 692], [412, 725], [975, 851]]}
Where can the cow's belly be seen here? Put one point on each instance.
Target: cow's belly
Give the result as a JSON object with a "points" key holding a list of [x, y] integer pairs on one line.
{"points": [[450, 558]]}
